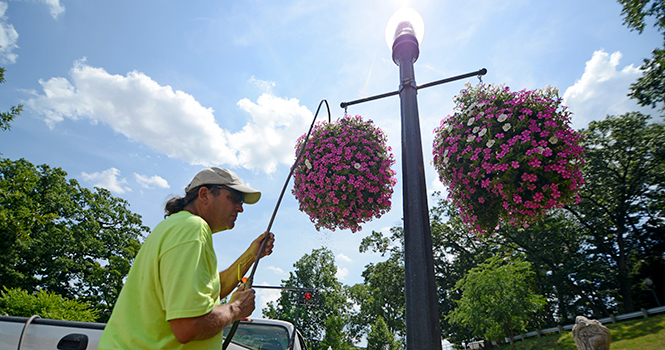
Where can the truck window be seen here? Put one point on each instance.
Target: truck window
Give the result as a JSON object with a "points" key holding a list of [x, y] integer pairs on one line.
{"points": [[261, 336]]}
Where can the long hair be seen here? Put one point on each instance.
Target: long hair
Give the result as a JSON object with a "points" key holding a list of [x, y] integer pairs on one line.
{"points": [[176, 203]]}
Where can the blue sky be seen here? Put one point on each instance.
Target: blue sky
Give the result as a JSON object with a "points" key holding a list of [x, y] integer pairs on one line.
{"points": [[137, 96]]}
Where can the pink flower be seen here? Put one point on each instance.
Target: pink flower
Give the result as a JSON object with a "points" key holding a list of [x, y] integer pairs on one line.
{"points": [[538, 196], [322, 190], [528, 140], [534, 162]]}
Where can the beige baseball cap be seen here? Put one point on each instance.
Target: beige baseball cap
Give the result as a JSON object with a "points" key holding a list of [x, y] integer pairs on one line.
{"points": [[223, 177]]}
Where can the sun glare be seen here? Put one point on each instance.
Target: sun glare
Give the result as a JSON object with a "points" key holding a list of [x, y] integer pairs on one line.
{"points": [[405, 15]]}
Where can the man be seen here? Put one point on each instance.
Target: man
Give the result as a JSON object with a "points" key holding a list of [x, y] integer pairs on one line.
{"points": [[171, 299]]}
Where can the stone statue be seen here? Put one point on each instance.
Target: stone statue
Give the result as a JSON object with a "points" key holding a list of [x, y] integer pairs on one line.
{"points": [[590, 334]]}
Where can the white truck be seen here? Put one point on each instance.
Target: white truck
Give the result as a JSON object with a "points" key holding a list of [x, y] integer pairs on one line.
{"points": [[30, 333]]}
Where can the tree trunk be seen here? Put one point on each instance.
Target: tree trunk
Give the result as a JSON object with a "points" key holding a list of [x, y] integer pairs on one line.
{"points": [[624, 283], [510, 333]]}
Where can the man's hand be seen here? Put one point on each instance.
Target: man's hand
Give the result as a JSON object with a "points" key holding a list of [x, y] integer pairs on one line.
{"points": [[256, 245], [206, 326], [242, 302]]}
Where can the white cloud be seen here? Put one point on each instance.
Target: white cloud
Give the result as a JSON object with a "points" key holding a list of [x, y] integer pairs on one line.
{"points": [[275, 269], [56, 7], [265, 296], [268, 139], [107, 179], [151, 182], [173, 122], [344, 258], [8, 37], [437, 185], [265, 86], [602, 90], [342, 273]]}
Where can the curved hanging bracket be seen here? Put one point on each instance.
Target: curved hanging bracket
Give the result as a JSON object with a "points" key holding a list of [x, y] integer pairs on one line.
{"points": [[250, 279]]}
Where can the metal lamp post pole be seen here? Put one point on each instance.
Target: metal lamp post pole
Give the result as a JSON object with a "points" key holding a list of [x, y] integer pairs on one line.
{"points": [[422, 310]]}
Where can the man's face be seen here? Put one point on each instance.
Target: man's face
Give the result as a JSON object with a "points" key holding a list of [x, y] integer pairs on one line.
{"points": [[223, 210]]}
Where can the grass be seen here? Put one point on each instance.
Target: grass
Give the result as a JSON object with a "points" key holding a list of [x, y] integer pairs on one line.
{"points": [[638, 334]]}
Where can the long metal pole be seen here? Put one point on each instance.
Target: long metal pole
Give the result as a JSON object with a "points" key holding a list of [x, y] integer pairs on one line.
{"points": [[250, 279], [422, 310]]}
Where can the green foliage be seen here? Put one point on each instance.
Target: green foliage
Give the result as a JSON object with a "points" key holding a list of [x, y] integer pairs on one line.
{"points": [[315, 270], [623, 199], [497, 299], [382, 293], [335, 337], [635, 13], [380, 338], [7, 117], [456, 251], [569, 271], [650, 88], [60, 237], [18, 302]]}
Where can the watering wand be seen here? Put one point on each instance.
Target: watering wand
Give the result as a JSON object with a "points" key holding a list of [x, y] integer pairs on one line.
{"points": [[250, 279]]}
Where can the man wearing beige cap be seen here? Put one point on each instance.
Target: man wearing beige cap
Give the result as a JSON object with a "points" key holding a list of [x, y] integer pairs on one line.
{"points": [[171, 299]]}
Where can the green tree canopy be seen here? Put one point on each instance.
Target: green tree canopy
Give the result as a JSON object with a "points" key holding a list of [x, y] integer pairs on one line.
{"points": [[381, 338], [59, 237], [7, 117], [382, 292], [18, 302], [497, 298], [623, 199], [570, 273], [315, 270], [335, 338], [649, 90]]}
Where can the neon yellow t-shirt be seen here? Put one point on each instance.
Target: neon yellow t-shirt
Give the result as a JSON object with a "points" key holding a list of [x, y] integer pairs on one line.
{"points": [[173, 276]]}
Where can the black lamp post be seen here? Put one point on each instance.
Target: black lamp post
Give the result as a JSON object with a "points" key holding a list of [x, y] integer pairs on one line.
{"points": [[422, 310], [404, 33]]}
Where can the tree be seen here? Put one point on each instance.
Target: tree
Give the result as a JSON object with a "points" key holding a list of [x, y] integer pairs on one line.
{"points": [[650, 88], [59, 237], [456, 250], [568, 268], [315, 270], [497, 299], [382, 293], [335, 338], [7, 117], [623, 199], [380, 338], [18, 302]]}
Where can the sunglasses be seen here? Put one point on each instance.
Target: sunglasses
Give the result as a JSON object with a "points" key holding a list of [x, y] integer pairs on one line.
{"points": [[237, 196]]}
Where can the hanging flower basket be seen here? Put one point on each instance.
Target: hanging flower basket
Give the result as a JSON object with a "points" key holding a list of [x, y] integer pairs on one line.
{"points": [[507, 156], [344, 177]]}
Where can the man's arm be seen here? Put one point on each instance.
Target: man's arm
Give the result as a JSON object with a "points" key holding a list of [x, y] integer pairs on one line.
{"points": [[210, 324], [229, 278]]}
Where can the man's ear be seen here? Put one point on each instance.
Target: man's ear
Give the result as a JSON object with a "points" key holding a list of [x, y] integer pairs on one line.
{"points": [[204, 194]]}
